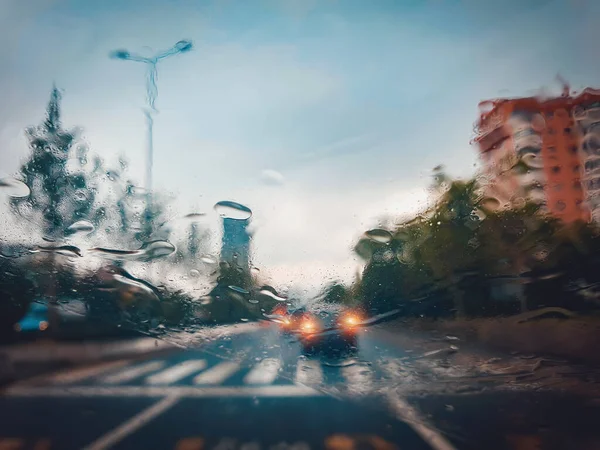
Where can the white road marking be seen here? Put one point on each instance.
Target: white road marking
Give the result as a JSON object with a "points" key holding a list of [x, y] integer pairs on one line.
{"points": [[217, 374], [411, 417], [281, 390], [132, 372], [135, 423], [359, 379], [309, 372], [264, 372], [177, 372], [75, 375]]}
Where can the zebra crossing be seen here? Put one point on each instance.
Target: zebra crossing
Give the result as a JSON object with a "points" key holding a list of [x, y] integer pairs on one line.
{"points": [[203, 372]]}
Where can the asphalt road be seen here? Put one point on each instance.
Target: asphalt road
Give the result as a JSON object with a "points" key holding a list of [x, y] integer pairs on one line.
{"points": [[253, 388]]}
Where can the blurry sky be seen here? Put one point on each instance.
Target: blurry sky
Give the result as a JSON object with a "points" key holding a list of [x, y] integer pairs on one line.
{"points": [[321, 115]]}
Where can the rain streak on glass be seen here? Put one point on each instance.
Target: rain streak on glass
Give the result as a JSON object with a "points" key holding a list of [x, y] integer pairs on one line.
{"points": [[233, 210], [150, 250]]}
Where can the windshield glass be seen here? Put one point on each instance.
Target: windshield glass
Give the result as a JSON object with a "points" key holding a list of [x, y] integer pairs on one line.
{"points": [[377, 201]]}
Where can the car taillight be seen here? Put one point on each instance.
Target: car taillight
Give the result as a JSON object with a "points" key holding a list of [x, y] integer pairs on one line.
{"points": [[308, 326], [350, 320]]}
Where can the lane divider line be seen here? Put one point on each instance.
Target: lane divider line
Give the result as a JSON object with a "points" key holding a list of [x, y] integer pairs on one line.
{"points": [[412, 418], [135, 423]]}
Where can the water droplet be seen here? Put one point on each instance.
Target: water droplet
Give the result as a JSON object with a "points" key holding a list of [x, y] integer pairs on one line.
{"points": [[13, 188], [148, 251], [233, 210], [157, 249], [244, 320], [207, 299], [80, 227], [194, 273], [255, 270], [66, 250], [253, 301], [207, 259], [379, 235], [80, 195], [239, 290], [273, 295]]}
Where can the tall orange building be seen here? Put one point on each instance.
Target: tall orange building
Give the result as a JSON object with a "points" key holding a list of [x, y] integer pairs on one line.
{"points": [[544, 150]]}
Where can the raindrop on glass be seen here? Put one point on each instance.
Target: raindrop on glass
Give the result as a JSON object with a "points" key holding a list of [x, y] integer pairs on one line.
{"points": [[208, 259], [379, 235], [233, 210], [80, 227], [13, 188], [239, 290], [274, 296]]}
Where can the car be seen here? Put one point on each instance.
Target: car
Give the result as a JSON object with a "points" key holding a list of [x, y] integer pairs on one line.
{"points": [[330, 330]]}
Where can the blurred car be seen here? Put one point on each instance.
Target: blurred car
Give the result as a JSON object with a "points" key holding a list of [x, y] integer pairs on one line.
{"points": [[329, 330], [36, 319]]}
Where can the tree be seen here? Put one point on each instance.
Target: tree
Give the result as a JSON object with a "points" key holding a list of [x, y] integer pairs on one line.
{"points": [[61, 193]]}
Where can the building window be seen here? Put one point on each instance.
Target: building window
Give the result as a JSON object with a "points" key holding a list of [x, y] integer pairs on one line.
{"points": [[552, 149], [560, 205], [573, 149], [576, 168], [567, 130], [556, 169], [577, 186], [592, 164]]}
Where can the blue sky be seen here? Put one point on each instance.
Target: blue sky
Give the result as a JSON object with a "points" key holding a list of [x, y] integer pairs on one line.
{"points": [[351, 101]]}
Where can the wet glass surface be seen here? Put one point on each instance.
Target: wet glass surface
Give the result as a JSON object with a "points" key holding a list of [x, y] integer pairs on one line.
{"points": [[258, 208]]}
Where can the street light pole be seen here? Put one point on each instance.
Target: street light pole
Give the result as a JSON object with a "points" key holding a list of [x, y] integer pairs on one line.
{"points": [[151, 95]]}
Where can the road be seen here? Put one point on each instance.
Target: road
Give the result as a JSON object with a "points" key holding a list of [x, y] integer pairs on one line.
{"points": [[251, 387]]}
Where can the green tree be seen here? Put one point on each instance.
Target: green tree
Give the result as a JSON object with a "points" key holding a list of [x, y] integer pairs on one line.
{"points": [[60, 191]]}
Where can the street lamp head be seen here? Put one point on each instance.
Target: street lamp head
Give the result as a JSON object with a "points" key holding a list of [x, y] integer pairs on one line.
{"points": [[183, 46], [120, 54]]}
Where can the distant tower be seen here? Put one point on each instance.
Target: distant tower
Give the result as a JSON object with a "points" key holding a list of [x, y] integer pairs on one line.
{"points": [[235, 248]]}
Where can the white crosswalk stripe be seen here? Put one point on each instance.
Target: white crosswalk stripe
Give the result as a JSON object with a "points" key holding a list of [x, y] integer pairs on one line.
{"points": [[132, 372], [359, 379], [177, 372], [309, 372], [76, 375], [217, 374], [264, 372]]}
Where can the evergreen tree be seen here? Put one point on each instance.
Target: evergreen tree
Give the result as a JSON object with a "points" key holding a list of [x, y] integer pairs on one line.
{"points": [[60, 194]]}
